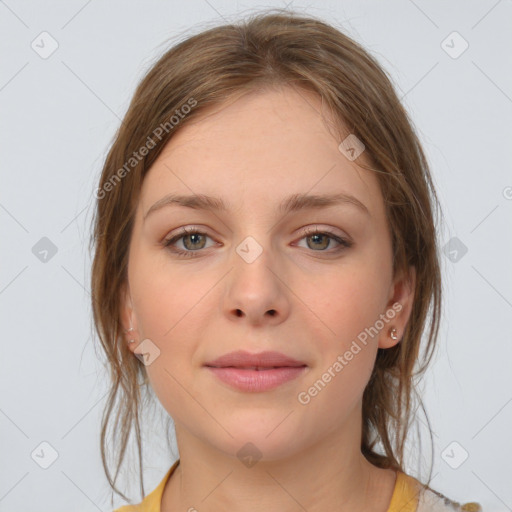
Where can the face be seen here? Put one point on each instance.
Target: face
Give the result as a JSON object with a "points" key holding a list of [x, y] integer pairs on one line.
{"points": [[255, 277]]}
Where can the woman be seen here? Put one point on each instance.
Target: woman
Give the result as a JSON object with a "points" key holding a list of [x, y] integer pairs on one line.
{"points": [[266, 260]]}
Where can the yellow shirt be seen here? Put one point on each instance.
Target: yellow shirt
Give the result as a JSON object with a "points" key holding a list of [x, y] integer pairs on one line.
{"points": [[407, 497]]}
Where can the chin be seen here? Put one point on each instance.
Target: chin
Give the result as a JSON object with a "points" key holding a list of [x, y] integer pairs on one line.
{"points": [[260, 442]]}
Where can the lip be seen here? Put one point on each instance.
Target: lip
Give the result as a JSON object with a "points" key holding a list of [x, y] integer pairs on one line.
{"points": [[256, 381], [244, 359], [238, 370]]}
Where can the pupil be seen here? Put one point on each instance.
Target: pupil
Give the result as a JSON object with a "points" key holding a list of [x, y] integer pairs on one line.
{"points": [[194, 238], [317, 238]]}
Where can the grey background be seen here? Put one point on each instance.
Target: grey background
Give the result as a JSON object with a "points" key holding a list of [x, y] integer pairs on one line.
{"points": [[58, 117]]}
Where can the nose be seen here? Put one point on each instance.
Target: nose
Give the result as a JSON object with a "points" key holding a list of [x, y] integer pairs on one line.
{"points": [[256, 292], [270, 312]]}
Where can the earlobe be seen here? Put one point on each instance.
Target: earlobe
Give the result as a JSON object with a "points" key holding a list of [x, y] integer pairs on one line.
{"points": [[399, 308]]}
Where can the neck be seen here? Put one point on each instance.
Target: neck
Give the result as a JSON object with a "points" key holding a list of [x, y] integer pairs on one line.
{"points": [[329, 475]]}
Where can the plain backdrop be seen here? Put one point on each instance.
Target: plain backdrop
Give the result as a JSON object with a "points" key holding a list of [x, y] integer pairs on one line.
{"points": [[61, 102]]}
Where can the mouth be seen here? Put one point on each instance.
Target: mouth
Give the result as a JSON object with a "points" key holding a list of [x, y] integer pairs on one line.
{"points": [[242, 359], [255, 373], [256, 381], [256, 368], [253, 379]]}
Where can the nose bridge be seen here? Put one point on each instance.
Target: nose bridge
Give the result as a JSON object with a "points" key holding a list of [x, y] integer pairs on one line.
{"points": [[255, 289], [254, 262]]}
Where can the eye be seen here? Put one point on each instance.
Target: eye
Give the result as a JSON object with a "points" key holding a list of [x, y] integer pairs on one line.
{"points": [[193, 241], [320, 240]]}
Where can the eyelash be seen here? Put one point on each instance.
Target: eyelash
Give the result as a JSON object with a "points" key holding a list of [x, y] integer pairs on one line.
{"points": [[344, 244]]}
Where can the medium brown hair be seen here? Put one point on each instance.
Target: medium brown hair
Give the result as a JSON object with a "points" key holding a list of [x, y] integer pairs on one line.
{"points": [[274, 48]]}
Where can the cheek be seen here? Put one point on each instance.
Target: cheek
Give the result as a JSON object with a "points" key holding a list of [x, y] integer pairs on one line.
{"points": [[336, 396], [344, 308], [344, 302], [164, 297], [172, 309], [345, 351]]}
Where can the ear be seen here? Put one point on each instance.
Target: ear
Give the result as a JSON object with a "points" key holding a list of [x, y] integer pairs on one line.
{"points": [[399, 307], [128, 319]]}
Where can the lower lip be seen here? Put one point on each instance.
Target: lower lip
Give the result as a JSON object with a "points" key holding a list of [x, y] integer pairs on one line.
{"points": [[257, 380]]}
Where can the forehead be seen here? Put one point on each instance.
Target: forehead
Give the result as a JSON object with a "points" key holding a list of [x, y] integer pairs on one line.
{"points": [[256, 150]]}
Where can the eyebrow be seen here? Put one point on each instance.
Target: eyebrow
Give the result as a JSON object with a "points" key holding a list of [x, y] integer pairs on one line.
{"points": [[293, 203]]}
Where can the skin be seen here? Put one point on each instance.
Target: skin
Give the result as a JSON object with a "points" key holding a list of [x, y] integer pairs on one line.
{"points": [[253, 153]]}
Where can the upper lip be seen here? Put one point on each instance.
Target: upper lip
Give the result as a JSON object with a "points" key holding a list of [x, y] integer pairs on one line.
{"points": [[243, 359]]}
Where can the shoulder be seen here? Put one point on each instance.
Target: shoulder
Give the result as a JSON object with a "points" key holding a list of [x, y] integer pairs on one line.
{"points": [[152, 502], [146, 505], [430, 500]]}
